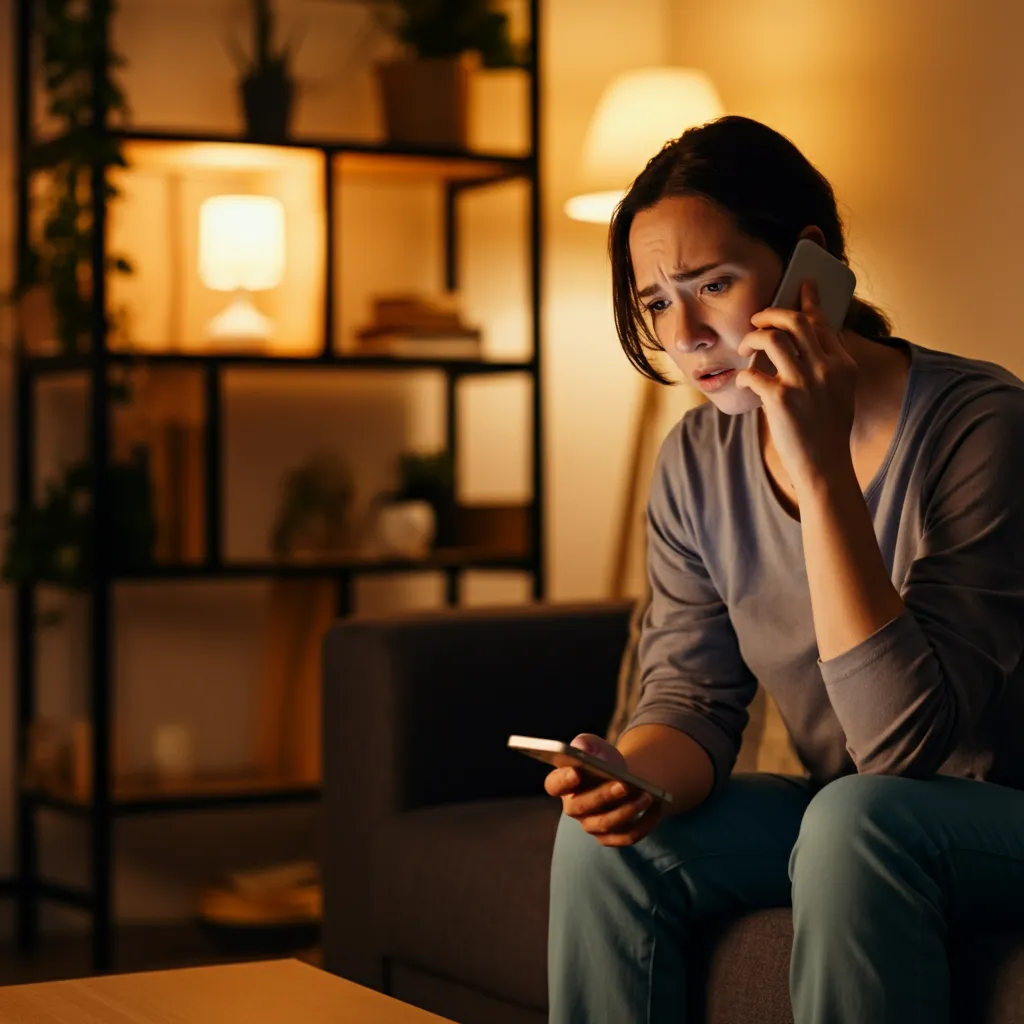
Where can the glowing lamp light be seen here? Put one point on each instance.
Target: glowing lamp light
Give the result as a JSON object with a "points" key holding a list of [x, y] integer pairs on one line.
{"points": [[241, 250], [637, 114]]}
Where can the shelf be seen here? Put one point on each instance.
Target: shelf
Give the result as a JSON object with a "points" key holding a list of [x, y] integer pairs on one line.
{"points": [[326, 185], [209, 150], [54, 365], [466, 168], [438, 561], [146, 794]]}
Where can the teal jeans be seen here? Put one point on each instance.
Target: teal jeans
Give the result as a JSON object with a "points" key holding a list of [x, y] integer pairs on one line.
{"points": [[876, 868]]}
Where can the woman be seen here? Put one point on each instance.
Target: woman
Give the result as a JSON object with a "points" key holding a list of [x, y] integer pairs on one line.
{"points": [[848, 532]]}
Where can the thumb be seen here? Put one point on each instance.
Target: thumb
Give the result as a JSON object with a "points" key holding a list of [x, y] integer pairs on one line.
{"points": [[595, 745]]}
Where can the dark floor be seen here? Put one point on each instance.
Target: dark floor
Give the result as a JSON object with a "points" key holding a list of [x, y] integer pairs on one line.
{"points": [[151, 948]]}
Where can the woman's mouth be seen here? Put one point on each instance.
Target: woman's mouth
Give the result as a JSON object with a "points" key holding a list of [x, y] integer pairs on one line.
{"points": [[715, 380]]}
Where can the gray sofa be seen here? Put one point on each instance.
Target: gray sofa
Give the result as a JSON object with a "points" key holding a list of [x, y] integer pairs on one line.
{"points": [[438, 840]]}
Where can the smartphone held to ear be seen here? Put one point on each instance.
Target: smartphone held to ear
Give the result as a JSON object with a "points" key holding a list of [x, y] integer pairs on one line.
{"points": [[836, 284]]}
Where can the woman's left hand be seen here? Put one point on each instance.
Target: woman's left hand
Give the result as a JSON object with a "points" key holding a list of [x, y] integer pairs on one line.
{"points": [[809, 405]]}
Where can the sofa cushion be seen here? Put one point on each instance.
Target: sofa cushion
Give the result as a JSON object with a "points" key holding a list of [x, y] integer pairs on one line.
{"points": [[746, 963], [463, 892]]}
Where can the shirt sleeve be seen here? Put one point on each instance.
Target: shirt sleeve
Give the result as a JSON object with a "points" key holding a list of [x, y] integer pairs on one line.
{"points": [[692, 676], [910, 694]]}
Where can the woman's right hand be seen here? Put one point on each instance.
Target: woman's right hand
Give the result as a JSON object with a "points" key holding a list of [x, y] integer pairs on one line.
{"points": [[603, 807]]}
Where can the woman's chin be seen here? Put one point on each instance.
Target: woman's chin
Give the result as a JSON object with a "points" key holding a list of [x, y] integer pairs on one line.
{"points": [[734, 401]]}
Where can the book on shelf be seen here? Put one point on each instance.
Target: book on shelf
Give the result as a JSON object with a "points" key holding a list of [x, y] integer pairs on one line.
{"points": [[420, 344], [416, 312], [418, 327]]}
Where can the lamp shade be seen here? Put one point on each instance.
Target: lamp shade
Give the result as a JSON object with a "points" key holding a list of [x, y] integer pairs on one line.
{"points": [[241, 243], [637, 114]]}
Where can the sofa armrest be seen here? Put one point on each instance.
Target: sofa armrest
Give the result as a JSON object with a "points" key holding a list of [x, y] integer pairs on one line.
{"points": [[418, 707]]}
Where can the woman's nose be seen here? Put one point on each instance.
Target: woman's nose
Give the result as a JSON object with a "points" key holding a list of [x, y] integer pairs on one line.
{"points": [[689, 331]]}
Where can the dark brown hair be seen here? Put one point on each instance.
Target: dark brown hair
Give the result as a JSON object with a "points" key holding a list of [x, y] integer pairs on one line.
{"points": [[753, 173]]}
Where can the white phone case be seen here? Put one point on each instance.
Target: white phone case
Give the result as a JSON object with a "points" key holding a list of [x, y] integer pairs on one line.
{"points": [[562, 755], [835, 280]]}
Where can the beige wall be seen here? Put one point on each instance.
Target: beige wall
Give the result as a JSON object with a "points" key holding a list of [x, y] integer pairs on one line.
{"points": [[912, 110], [592, 393]]}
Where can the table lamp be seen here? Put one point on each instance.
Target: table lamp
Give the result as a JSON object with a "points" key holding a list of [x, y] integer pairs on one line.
{"points": [[241, 250], [637, 114]]}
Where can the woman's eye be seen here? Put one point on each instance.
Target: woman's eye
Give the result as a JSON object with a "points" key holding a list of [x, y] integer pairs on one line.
{"points": [[722, 286], [658, 306]]}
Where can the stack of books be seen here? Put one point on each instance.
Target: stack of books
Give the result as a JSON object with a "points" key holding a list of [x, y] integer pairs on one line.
{"points": [[277, 906], [413, 327]]}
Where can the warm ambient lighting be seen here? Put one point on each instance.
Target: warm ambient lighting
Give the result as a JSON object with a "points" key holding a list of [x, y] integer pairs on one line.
{"points": [[637, 114], [241, 250]]}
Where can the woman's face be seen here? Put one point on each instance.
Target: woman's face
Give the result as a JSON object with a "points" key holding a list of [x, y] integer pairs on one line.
{"points": [[701, 280]]}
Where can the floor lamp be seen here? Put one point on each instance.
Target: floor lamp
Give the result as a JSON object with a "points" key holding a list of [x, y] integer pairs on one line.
{"points": [[636, 115], [641, 459]]}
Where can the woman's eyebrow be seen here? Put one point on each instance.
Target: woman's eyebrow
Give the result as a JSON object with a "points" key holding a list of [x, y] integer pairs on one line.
{"points": [[680, 276]]}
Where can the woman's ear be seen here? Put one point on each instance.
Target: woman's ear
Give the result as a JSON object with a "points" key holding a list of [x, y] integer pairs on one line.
{"points": [[815, 234]]}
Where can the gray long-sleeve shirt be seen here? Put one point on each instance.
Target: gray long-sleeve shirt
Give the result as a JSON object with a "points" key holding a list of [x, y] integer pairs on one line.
{"points": [[938, 689]]}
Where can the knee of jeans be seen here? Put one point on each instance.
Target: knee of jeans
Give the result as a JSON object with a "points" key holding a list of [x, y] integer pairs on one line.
{"points": [[579, 859], [840, 817]]}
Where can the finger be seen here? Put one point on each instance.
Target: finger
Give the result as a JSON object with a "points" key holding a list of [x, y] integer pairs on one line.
{"points": [[591, 743], [597, 800], [829, 341], [754, 380], [562, 781], [760, 340], [640, 830], [620, 819], [810, 303], [784, 352], [780, 349], [810, 306], [802, 327]]}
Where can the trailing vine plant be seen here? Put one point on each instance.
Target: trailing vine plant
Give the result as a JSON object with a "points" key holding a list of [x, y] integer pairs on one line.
{"points": [[52, 540], [71, 36]]}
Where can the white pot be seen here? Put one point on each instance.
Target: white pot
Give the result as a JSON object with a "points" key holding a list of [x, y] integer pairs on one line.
{"points": [[407, 528]]}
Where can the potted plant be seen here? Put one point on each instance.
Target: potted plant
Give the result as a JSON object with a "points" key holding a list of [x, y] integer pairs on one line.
{"points": [[425, 93], [52, 542], [313, 519], [267, 85], [421, 511]]}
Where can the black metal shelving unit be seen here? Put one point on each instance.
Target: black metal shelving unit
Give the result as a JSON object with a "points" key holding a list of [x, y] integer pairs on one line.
{"points": [[110, 799]]}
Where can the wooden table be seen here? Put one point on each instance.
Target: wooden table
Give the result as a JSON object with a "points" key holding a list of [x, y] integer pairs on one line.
{"points": [[271, 992]]}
